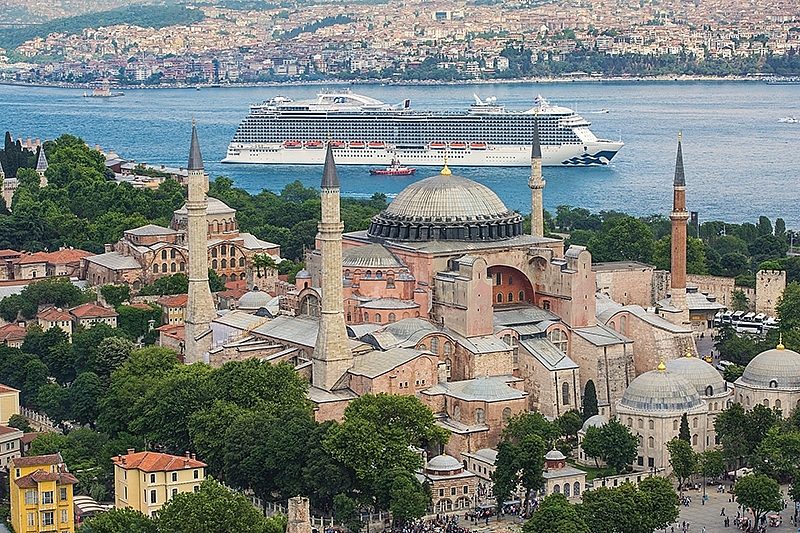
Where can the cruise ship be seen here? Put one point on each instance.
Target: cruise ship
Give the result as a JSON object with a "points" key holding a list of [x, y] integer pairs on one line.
{"points": [[366, 131]]}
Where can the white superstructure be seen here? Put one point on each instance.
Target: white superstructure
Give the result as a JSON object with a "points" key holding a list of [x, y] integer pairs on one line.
{"points": [[366, 131]]}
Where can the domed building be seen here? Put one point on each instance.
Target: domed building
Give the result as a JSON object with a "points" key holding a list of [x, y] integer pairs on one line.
{"points": [[652, 407], [256, 301], [595, 421], [452, 485], [771, 379], [710, 385]]}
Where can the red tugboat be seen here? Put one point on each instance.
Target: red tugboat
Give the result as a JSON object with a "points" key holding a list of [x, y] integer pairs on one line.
{"points": [[394, 169]]}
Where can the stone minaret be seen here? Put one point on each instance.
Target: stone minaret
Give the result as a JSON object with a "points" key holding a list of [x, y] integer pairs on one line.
{"points": [[41, 167], [332, 356], [536, 183], [200, 306], [679, 218]]}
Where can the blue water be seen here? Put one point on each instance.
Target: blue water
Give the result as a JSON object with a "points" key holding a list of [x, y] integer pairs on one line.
{"points": [[740, 162]]}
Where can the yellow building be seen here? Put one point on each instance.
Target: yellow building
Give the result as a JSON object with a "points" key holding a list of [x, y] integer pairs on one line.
{"points": [[9, 403], [41, 495], [147, 480]]}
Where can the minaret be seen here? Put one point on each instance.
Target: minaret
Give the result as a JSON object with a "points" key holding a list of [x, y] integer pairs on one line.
{"points": [[41, 166], [332, 356], [536, 183], [200, 306], [679, 218]]}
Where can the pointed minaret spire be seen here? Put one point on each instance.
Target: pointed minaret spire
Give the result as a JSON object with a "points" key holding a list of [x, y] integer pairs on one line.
{"points": [[536, 183], [332, 357], [680, 178], [195, 157], [200, 305], [329, 176], [41, 163]]}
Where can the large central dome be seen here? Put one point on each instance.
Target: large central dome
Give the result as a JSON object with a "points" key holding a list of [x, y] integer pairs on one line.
{"points": [[446, 207]]}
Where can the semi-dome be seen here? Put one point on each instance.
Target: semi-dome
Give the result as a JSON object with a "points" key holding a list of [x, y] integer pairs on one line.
{"points": [[369, 256], [254, 300], [660, 390], [446, 207], [699, 373], [594, 421], [554, 455], [443, 463], [775, 368]]}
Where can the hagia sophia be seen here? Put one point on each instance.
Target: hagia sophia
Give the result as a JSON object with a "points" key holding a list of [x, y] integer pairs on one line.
{"points": [[446, 298]]}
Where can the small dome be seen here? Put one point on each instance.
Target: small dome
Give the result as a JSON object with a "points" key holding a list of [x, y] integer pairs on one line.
{"points": [[775, 368], [594, 421], [446, 207], [554, 455], [699, 373], [660, 390], [303, 274], [369, 256], [443, 463], [254, 300]]}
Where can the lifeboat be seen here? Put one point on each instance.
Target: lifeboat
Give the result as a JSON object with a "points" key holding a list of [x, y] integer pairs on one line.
{"points": [[293, 144], [314, 145], [437, 146], [478, 146], [337, 144], [358, 144], [377, 145], [458, 146]]}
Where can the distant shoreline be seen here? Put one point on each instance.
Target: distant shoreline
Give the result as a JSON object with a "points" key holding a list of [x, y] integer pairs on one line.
{"points": [[377, 81]]}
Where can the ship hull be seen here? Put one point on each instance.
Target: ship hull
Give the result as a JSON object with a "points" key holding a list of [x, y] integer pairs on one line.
{"points": [[595, 153]]}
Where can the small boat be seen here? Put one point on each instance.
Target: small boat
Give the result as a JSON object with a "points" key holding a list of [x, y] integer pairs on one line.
{"points": [[314, 145], [294, 145], [336, 145], [458, 146], [789, 120], [377, 145], [358, 145], [104, 91], [478, 146], [394, 169], [438, 146]]}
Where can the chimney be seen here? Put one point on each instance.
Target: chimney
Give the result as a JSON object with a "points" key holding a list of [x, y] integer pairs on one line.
{"points": [[131, 450], [188, 455], [107, 248]]}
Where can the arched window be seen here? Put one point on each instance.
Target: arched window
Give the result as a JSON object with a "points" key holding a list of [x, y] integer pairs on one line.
{"points": [[155, 268], [223, 250], [694, 422], [576, 489], [457, 412], [213, 252], [379, 274], [640, 423], [448, 363], [510, 296], [448, 348], [766, 402], [565, 393], [172, 254], [392, 317], [777, 404], [173, 267], [163, 254], [506, 414], [499, 297], [556, 488], [163, 267], [747, 400], [709, 391], [378, 318], [521, 296], [368, 274], [559, 338], [651, 424], [623, 322], [214, 264], [182, 266], [773, 384], [224, 263], [694, 439], [566, 490], [480, 416], [366, 319], [651, 442], [241, 262], [233, 250], [435, 345], [630, 422]]}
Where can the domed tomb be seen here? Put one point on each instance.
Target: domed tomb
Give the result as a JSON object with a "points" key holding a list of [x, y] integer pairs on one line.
{"points": [[660, 391], [705, 378], [446, 207], [775, 368]]}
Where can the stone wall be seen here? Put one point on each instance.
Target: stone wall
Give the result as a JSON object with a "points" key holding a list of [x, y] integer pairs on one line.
{"points": [[719, 286], [627, 284], [610, 367], [770, 285]]}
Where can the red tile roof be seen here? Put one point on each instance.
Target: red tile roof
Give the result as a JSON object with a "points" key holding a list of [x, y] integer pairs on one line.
{"points": [[156, 462], [54, 314], [39, 460], [179, 300], [5, 430], [9, 253], [12, 332], [61, 257], [27, 438], [236, 284], [176, 331], [142, 305], [33, 479], [91, 310], [5, 388]]}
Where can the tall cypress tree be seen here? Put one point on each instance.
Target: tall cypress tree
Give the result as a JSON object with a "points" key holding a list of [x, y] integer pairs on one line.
{"points": [[589, 400], [684, 431]]}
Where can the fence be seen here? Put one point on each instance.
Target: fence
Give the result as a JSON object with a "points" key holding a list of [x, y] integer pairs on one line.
{"points": [[38, 420], [376, 521]]}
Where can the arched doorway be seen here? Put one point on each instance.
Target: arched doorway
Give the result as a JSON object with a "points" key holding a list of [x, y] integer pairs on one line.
{"points": [[509, 286]]}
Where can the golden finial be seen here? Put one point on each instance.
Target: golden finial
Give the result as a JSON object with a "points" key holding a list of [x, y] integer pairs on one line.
{"points": [[689, 353], [780, 345], [680, 135], [445, 170], [661, 366]]}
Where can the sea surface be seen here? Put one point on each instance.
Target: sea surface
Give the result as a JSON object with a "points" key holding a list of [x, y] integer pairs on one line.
{"points": [[740, 161]]}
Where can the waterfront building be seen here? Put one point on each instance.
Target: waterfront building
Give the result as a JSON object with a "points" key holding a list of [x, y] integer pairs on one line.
{"points": [[771, 379], [145, 481], [41, 494]]}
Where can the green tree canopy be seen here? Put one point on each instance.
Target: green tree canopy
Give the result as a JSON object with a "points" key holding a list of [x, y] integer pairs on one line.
{"points": [[555, 515], [759, 493], [122, 520], [590, 400], [682, 459]]}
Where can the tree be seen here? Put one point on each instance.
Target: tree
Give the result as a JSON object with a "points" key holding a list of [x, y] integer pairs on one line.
{"points": [[137, 322], [345, 512], [570, 423], [623, 238], [84, 395], [682, 459], [780, 227], [555, 515], [124, 520], [20, 422], [213, 508], [728, 426], [764, 226], [739, 301], [592, 444], [615, 510], [778, 455], [115, 294], [619, 445], [408, 499], [759, 493], [112, 352], [524, 424], [589, 400], [684, 433], [789, 307], [658, 502], [712, 463]]}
